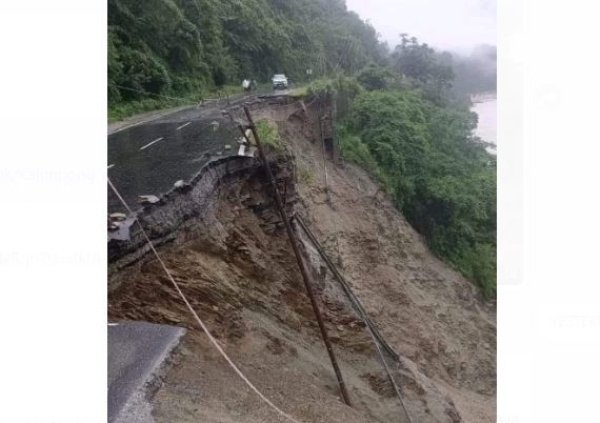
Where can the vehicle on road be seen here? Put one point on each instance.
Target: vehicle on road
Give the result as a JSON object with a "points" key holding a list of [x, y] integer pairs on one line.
{"points": [[280, 81]]}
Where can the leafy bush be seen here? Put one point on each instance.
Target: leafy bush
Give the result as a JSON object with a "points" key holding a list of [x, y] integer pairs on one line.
{"points": [[355, 151], [299, 92], [375, 77], [340, 85], [479, 263], [143, 75], [426, 158], [320, 87]]}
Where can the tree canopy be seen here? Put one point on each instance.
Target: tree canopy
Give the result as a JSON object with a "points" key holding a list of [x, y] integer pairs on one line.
{"points": [[176, 46], [424, 154]]}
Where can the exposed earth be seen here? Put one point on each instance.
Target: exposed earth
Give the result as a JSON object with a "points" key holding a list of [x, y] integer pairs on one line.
{"points": [[237, 268]]}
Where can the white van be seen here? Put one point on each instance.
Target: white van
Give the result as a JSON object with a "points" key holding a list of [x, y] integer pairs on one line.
{"points": [[280, 81]]}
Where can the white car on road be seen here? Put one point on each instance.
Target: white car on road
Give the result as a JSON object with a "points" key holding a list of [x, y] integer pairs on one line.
{"points": [[280, 81]]}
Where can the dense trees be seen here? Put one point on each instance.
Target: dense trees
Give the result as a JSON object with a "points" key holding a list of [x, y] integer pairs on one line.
{"points": [[425, 156], [436, 73], [174, 47], [432, 72]]}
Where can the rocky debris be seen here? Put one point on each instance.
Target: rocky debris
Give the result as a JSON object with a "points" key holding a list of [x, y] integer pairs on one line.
{"points": [[275, 345], [120, 230], [380, 384], [117, 217], [179, 184], [149, 199], [112, 225], [247, 151], [250, 136], [115, 221]]}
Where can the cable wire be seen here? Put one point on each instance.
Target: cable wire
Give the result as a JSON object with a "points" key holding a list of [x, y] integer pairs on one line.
{"points": [[371, 329], [202, 325]]}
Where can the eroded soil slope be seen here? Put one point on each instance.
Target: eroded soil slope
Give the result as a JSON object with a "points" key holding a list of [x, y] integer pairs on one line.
{"points": [[428, 312], [238, 270]]}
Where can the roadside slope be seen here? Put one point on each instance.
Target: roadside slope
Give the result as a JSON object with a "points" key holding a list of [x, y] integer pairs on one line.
{"points": [[239, 272], [427, 311]]}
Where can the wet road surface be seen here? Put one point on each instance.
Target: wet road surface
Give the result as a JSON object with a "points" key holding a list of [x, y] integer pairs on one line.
{"points": [[136, 353], [148, 158]]}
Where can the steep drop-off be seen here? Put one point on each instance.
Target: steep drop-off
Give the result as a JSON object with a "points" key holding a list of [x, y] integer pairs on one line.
{"points": [[234, 263]]}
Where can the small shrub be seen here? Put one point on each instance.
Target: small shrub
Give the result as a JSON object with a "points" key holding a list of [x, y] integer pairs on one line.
{"points": [[299, 92], [269, 134], [306, 175]]}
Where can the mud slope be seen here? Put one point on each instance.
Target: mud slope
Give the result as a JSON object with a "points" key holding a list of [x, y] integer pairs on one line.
{"points": [[237, 268], [429, 313]]}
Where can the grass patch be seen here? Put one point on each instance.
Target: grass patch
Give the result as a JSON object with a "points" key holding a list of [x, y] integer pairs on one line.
{"points": [[120, 111], [306, 175], [269, 134], [299, 92]]}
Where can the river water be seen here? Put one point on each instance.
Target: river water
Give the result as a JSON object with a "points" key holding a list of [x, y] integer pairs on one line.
{"points": [[485, 107]]}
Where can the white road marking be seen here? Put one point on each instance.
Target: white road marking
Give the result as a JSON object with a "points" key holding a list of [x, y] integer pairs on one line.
{"points": [[109, 166], [113, 324], [148, 145], [183, 126]]}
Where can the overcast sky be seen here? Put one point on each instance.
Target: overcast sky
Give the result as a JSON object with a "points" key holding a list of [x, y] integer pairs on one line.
{"points": [[444, 24]]}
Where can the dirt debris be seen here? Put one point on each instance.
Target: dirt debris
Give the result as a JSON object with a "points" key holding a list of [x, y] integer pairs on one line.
{"points": [[239, 273]]}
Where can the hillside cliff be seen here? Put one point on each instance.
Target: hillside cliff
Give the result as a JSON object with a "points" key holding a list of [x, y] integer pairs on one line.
{"points": [[235, 264]]}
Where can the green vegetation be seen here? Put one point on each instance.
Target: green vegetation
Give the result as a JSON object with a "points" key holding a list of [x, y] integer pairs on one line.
{"points": [[402, 116], [425, 156], [415, 138], [306, 175], [299, 92], [185, 49], [429, 71], [120, 111], [269, 134]]}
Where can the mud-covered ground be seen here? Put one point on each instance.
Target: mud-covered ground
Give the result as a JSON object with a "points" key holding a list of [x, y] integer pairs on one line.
{"points": [[238, 270]]}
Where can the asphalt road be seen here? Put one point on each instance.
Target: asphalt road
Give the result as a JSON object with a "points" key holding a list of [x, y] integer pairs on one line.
{"points": [[148, 158], [136, 353]]}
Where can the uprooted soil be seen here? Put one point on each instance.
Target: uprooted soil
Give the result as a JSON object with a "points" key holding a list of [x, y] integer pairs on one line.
{"points": [[238, 270]]}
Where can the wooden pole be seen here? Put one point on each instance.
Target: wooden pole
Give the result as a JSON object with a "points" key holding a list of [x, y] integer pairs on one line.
{"points": [[303, 270], [327, 196]]}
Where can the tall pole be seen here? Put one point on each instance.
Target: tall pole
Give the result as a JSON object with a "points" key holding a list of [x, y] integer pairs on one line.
{"points": [[303, 271]]}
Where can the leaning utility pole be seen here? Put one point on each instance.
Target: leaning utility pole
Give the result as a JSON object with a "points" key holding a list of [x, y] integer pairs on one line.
{"points": [[305, 275]]}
